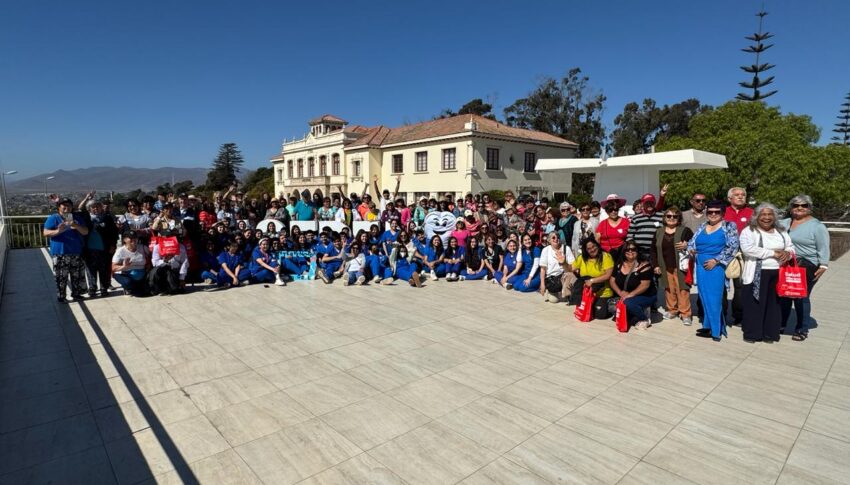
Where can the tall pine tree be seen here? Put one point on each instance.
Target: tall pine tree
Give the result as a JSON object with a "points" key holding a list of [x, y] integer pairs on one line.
{"points": [[755, 69], [225, 167], [842, 128]]}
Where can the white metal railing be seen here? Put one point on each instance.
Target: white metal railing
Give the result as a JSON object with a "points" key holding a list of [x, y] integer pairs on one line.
{"points": [[25, 231]]}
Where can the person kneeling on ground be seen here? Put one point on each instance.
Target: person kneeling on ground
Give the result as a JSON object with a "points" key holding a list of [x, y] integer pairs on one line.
{"points": [[130, 263], [330, 264], [556, 269], [233, 271], [354, 267], [632, 281], [168, 276]]}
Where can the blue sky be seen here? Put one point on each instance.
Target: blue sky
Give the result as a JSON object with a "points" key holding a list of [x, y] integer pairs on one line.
{"points": [[164, 83]]}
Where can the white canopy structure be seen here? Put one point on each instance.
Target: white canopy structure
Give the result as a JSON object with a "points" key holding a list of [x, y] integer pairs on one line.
{"points": [[633, 175]]}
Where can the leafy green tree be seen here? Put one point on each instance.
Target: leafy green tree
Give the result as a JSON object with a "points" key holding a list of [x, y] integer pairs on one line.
{"points": [[225, 167], [565, 107], [638, 128], [771, 154], [259, 181], [476, 107]]}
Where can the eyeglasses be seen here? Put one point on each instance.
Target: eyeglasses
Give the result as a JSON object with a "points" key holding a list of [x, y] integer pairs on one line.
{"points": [[698, 201], [671, 216], [713, 213], [798, 206], [585, 209], [630, 250]]}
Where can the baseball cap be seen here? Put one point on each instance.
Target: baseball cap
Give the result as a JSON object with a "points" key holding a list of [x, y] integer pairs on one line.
{"points": [[467, 213], [565, 205], [647, 197]]}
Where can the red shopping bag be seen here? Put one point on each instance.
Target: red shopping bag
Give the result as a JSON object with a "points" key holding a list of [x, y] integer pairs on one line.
{"points": [[169, 246], [584, 311], [792, 281], [621, 317], [689, 274]]}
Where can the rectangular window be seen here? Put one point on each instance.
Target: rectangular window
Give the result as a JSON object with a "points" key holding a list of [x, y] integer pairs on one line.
{"points": [[493, 159], [419, 195], [449, 159], [530, 161], [356, 168], [398, 163], [335, 164], [421, 161]]}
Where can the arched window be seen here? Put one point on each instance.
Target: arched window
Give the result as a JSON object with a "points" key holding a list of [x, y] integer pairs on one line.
{"points": [[289, 169], [335, 163], [300, 168], [323, 166], [311, 167]]}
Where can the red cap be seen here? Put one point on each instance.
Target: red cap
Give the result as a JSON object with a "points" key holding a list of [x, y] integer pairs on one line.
{"points": [[647, 198]]}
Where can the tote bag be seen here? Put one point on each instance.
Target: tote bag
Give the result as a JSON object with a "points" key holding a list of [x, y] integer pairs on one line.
{"points": [[792, 281], [584, 311], [621, 317]]}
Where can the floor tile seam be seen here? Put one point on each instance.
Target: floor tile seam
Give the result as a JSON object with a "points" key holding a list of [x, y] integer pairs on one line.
{"points": [[363, 452], [684, 479], [78, 452], [680, 421], [808, 415], [42, 371]]}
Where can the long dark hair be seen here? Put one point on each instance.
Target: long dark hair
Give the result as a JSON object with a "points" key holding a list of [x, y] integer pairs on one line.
{"points": [[585, 254], [438, 250]]}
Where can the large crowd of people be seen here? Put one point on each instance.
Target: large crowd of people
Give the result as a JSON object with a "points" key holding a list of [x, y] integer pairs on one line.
{"points": [[634, 256]]}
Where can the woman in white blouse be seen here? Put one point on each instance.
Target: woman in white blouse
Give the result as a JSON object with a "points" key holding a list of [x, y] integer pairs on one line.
{"points": [[765, 246]]}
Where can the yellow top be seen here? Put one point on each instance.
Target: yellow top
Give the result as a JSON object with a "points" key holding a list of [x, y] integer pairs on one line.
{"points": [[592, 270]]}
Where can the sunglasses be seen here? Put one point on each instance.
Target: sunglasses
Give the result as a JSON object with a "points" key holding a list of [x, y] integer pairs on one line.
{"points": [[585, 209], [797, 206], [713, 213], [699, 201], [671, 216], [610, 209], [630, 250]]}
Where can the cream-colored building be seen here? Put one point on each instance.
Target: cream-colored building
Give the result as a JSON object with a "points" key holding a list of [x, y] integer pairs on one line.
{"points": [[457, 155]]}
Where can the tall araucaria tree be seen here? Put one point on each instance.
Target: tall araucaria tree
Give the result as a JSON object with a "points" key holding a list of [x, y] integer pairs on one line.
{"points": [[758, 67], [842, 128], [225, 167]]}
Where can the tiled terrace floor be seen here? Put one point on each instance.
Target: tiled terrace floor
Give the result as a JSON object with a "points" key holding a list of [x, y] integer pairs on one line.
{"points": [[457, 382]]}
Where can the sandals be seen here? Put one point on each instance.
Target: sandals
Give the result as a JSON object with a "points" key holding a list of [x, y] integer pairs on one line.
{"points": [[799, 337]]}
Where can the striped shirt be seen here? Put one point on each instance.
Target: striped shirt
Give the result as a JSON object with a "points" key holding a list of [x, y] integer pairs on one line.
{"points": [[642, 229]]}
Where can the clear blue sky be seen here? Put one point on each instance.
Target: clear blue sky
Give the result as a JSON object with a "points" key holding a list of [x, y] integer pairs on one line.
{"points": [[164, 83]]}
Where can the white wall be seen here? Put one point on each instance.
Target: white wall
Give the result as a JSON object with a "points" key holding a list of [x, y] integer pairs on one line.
{"points": [[512, 176]]}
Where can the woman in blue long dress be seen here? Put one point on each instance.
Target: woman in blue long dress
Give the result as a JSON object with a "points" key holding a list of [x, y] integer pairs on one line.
{"points": [[511, 265], [529, 278], [714, 246]]}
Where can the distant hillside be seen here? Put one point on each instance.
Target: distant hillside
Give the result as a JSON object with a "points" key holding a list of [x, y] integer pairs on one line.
{"points": [[119, 179]]}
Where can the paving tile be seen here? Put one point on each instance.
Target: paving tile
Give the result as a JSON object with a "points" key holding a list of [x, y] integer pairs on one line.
{"points": [[297, 452], [714, 445], [89, 466], [619, 427], [432, 454], [389, 373], [119, 421], [582, 378], [493, 423], [34, 385], [522, 358], [616, 356], [24, 413], [817, 459], [399, 342], [563, 456], [205, 369], [435, 395], [225, 468], [666, 405], [542, 398], [330, 393], [504, 472], [258, 417], [46, 442], [224, 391], [785, 408], [485, 376], [375, 420], [36, 365], [268, 354], [317, 342], [475, 343], [835, 395], [352, 355], [154, 451], [128, 387], [296, 371], [365, 330], [360, 470], [179, 354], [829, 421], [645, 474]]}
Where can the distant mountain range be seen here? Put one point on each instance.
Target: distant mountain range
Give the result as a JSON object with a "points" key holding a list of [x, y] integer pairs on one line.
{"points": [[104, 179]]}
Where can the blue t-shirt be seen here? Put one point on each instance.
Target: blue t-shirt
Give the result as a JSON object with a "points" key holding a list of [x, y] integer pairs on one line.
{"points": [[431, 254], [389, 236], [231, 260], [70, 241], [323, 248], [258, 254], [528, 259], [304, 211]]}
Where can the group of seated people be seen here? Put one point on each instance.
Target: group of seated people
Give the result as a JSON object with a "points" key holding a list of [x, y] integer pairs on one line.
{"points": [[520, 244]]}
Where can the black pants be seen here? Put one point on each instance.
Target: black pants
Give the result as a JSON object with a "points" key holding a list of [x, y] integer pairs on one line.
{"points": [[98, 268], [164, 279], [762, 317], [69, 266], [737, 303]]}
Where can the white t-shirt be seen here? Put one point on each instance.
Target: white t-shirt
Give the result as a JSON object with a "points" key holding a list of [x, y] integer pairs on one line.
{"points": [[772, 241], [137, 259], [550, 262]]}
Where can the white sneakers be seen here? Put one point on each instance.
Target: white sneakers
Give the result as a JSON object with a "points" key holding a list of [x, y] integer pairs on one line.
{"points": [[279, 281], [434, 276], [360, 280], [550, 298]]}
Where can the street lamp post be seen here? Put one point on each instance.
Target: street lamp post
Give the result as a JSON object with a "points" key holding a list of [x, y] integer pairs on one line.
{"points": [[45, 183], [3, 199]]}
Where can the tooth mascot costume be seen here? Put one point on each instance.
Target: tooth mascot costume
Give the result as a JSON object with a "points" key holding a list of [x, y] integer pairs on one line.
{"points": [[439, 224]]}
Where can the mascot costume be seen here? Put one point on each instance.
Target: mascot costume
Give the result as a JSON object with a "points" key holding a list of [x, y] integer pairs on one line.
{"points": [[439, 224]]}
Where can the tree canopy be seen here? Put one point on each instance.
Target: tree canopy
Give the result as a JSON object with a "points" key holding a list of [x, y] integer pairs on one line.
{"points": [[770, 153], [226, 165], [476, 106], [638, 128], [259, 181]]}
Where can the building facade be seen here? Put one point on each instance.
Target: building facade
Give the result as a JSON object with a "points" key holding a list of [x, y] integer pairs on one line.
{"points": [[456, 155]]}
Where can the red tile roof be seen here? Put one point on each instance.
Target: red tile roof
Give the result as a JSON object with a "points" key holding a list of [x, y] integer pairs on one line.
{"points": [[381, 135]]}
